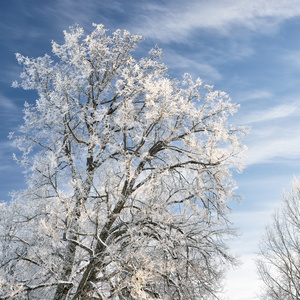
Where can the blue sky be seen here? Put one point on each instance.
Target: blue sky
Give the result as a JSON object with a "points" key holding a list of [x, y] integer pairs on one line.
{"points": [[250, 49]]}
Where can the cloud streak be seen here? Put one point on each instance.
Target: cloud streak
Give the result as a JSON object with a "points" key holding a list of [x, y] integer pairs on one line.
{"points": [[275, 130], [182, 63], [7, 105], [273, 143], [179, 19], [273, 113]]}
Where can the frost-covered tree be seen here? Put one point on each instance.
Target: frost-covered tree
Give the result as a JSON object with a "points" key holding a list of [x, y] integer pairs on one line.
{"points": [[129, 177], [279, 261]]}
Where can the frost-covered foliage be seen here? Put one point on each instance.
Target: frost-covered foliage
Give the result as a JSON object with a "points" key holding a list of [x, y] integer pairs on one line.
{"points": [[128, 172], [279, 261]]}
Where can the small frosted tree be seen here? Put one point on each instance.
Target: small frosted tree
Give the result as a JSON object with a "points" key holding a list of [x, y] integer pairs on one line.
{"points": [[128, 173], [279, 261]]}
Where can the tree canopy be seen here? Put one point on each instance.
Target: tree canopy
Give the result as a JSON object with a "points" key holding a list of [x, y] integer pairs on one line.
{"points": [[129, 173]]}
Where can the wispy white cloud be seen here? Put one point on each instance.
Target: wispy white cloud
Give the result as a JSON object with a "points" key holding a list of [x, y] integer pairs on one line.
{"points": [[197, 68], [7, 105], [178, 19], [6, 155], [254, 95], [276, 112], [291, 59], [8, 75], [173, 20], [266, 144], [275, 129]]}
